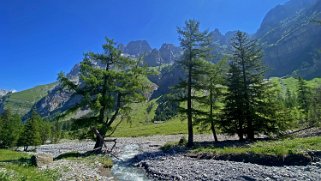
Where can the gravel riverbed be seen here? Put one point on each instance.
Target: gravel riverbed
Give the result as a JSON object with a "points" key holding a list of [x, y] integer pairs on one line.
{"points": [[174, 166]]}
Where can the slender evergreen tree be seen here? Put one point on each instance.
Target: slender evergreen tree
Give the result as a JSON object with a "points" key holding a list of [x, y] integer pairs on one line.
{"points": [[303, 95], [314, 114], [196, 47], [233, 120], [290, 100], [31, 132], [212, 87], [109, 83]]}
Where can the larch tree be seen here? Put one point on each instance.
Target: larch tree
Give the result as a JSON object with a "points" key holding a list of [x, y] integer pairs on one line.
{"points": [[196, 47], [212, 88], [109, 83]]}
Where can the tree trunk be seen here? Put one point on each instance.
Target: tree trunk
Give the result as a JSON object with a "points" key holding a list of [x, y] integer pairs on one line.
{"points": [[240, 132], [213, 131], [99, 141], [240, 135], [250, 131], [211, 116], [190, 142]]}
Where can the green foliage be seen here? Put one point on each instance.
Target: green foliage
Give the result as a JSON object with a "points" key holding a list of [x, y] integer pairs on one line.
{"points": [[31, 135], [167, 108], [314, 114], [10, 129], [251, 107], [196, 46], [303, 110], [211, 86], [290, 99], [304, 95], [45, 131], [108, 89]]}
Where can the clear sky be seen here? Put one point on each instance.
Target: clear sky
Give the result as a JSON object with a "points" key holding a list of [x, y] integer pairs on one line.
{"points": [[40, 38]]}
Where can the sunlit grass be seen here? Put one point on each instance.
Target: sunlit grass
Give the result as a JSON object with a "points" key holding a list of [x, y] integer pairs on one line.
{"points": [[277, 148], [16, 166]]}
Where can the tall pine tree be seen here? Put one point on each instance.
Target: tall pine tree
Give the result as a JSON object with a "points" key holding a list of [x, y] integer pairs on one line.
{"points": [[246, 110], [196, 47]]}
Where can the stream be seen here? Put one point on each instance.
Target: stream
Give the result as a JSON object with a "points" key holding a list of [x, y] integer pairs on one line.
{"points": [[122, 170]]}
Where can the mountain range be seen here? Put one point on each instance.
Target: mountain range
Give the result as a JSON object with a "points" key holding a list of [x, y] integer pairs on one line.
{"points": [[289, 35]]}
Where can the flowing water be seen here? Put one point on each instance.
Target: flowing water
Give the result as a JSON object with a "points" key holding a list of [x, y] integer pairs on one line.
{"points": [[123, 171]]}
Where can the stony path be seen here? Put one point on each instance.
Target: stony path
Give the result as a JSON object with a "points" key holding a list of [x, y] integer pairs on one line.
{"points": [[76, 170]]}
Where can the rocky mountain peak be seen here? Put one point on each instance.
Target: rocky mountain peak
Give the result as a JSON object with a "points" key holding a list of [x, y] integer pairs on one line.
{"points": [[136, 48], [217, 36], [153, 58], [170, 53]]}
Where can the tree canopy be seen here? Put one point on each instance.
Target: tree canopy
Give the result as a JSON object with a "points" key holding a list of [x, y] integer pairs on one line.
{"points": [[109, 83]]}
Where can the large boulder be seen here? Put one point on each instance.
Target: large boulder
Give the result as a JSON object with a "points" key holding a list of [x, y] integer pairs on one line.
{"points": [[41, 160]]}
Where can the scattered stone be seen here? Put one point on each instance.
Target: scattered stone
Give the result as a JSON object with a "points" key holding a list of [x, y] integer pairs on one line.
{"points": [[41, 159]]}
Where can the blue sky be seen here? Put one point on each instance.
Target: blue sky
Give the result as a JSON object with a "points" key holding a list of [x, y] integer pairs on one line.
{"points": [[40, 38]]}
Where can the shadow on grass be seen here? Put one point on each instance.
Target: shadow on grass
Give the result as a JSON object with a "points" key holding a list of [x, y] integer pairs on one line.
{"points": [[20, 161], [74, 155]]}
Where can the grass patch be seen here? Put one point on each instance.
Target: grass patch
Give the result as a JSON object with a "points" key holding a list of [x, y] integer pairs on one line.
{"points": [[298, 151], [275, 148], [17, 166], [104, 160]]}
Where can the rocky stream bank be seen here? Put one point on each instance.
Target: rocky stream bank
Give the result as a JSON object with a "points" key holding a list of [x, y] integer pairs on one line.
{"points": [[141, 159]]}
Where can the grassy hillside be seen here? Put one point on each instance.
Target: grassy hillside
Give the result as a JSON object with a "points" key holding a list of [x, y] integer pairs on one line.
{"points": [[291, 83], [22, 102]]}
